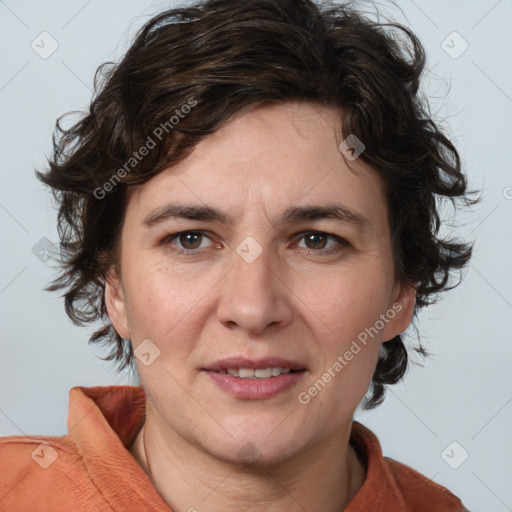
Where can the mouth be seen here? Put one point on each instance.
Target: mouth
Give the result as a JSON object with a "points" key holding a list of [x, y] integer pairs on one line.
{"points": [[255, 379], [258, 373], [263, 368]]}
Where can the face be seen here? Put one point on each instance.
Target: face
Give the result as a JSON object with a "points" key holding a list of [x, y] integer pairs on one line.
{"points": [[231, 260]]}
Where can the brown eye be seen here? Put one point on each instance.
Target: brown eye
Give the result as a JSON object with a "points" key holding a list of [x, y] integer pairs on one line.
{"points": [[315, 240], [322, 243], [190, 239], [188, 243]]}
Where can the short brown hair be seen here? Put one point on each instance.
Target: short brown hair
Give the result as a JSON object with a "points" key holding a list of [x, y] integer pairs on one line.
{"points": [[227, 57]]}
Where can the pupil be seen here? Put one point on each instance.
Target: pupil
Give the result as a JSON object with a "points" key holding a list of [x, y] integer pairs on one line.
{"points": [[187, 236], [314, 238]]}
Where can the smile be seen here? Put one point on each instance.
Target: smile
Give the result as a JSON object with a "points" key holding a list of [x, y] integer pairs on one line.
{"points": [[255, 384], [258, 373]]}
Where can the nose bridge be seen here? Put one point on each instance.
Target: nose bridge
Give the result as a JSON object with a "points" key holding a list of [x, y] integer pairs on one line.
{"points": [[252, 296]]}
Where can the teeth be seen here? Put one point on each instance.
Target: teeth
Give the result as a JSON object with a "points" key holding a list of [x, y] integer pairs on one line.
{"points": [[264, 373], [260, 373]]}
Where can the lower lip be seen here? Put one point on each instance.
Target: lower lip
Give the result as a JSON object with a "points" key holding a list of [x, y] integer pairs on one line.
{"points": [[255, 389]]}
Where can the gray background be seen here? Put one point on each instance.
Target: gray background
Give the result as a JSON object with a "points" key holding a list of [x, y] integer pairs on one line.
{"points": [[463, 394]]}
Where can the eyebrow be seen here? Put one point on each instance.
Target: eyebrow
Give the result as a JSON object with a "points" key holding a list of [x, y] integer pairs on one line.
{"points": [[290, 215]]}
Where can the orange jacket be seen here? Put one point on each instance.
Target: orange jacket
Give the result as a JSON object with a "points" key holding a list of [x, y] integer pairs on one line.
{"points": [[91, 469]]}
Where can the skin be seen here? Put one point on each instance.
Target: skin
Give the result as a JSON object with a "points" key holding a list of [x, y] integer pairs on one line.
{"points": [[294, 301]]}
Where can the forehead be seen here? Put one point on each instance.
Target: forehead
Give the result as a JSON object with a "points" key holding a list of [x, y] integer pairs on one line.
{"points": [[265, 162]]}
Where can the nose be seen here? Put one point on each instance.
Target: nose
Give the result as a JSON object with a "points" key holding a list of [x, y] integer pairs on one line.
{"points": [[255, 295]]}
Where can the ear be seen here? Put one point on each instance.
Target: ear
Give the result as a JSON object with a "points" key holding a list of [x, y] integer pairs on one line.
{"points": [[116, 305], [400, 311]]}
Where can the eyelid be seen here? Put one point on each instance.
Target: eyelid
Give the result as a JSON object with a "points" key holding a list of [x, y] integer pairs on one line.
{"points": [[342, 241], [168, 238], [204, 233]]}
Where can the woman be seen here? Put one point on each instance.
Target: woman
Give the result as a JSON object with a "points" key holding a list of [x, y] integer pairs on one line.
{"points": [[250, 207]]}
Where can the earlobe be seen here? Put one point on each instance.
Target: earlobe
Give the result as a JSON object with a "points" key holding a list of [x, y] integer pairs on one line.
{"points": [[116, 305], [400, 312]]}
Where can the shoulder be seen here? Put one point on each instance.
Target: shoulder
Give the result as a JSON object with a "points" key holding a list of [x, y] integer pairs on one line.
{"points": [[38, 472], [421, 493], [393, 485]]}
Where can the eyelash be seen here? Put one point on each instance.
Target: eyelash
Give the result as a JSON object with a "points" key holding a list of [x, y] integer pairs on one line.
{"points": [[188, 252]]}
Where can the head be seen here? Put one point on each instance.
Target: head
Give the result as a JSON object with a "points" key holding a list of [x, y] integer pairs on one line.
{"points": [[229, 122]]}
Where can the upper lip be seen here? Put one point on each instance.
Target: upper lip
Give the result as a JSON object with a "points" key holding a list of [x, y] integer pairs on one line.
{"points": [[244, 362]]}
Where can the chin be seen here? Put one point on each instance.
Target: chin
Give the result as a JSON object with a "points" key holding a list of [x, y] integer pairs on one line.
{"points": [[258, 447], [253, 456]]}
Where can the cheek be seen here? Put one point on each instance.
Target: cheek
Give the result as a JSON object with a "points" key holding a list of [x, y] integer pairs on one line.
{"points": [[150, 297], [163, 301], [346, 302]]}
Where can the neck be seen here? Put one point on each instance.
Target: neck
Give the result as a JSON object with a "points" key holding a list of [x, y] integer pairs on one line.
{"points": [[324, 477]]}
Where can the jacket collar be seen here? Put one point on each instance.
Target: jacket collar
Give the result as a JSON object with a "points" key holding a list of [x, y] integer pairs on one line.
{"points": [[103, 421]]}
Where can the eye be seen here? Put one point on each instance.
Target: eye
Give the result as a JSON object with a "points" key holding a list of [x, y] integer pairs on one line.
{"points": [[190, 241], [317, 241]]}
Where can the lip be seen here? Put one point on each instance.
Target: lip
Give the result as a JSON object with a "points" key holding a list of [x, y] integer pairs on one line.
{"points": [[244, 362], [254, 389]]}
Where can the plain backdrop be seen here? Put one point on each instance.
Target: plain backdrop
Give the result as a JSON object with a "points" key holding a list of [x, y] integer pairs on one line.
{"points": [[450, 419]]}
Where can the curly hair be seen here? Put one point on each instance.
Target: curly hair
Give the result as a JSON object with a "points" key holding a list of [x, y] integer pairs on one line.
{"points": [[225, 58]]}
